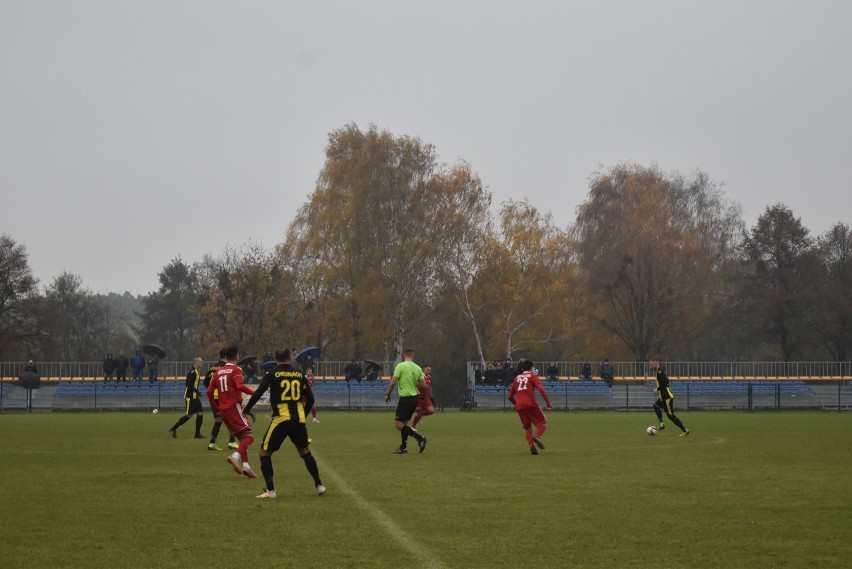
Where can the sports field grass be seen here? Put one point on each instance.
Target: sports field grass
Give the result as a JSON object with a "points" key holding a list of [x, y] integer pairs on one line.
{"points": [[113, 490]]}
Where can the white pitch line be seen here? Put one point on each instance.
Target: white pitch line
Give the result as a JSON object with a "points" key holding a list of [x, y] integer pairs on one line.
{"points": [[387, 524]]}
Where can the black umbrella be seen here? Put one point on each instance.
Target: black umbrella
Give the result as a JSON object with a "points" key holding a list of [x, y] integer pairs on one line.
{"points": [[154, 350], [314, 352], [246, 360], [373, 369], [29, 379]]}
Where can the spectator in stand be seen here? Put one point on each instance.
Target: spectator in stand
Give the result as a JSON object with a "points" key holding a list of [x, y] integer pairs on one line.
{"points": [[29, 379], [153, 369], [268, 362], [250, 372], [509, 372], [586, 372], [493, 374], [307, 363], [121, 364], [137, 364], [607, 373], [478, 376], [353, 370], [109, 367], [553, 372], [373, 370]]}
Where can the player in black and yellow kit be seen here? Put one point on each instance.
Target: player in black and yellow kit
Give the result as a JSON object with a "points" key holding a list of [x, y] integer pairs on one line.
{"points": [[665, 398], [291, 400], [193, 403], [214, 434]]}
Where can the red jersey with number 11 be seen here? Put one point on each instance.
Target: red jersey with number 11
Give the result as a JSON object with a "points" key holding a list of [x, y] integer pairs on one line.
{"points": [[522, 392], [229, 382]]}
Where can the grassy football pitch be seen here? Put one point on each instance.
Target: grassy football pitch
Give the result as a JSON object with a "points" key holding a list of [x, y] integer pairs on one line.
{"points": [[114, 490]]}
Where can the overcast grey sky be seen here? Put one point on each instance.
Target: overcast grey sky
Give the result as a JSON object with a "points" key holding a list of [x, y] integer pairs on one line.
{"points": [[127, 129]]}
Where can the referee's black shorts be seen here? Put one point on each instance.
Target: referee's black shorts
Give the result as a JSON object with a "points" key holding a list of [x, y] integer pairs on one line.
{"points": [[405, 408]]}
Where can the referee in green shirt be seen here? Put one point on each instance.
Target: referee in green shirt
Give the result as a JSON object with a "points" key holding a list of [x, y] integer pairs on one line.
{"points": [[408, 377]]}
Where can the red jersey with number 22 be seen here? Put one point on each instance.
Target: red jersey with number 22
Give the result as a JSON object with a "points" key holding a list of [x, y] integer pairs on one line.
{"points": [[522, 392]]}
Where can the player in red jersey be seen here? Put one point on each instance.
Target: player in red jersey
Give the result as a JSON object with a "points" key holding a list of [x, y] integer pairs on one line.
{"points": [[228, 382], [522, 396], [309, 377], [425, 403]]}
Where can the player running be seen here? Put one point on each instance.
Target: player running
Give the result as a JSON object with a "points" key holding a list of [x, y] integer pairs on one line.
{"points": [[217, 425], [522, 396], [425, 402], [228, 382], [193, 403], [291, 399], [309, 377], [665, 398]]}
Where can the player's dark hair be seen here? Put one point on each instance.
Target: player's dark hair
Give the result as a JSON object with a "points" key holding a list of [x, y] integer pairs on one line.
{"points": [[222, 353], [408, 352], [232, 351], [526, 364], [282, 355]]}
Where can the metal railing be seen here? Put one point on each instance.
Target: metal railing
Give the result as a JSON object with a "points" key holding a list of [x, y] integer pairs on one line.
{"points": [[706, 394], [572, 369], [624, 370], [692, 370], [166, 369]]}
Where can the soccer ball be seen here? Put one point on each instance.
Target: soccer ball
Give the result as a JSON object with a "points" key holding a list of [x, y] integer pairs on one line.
{"points": [[155, 411], [652, 430]]}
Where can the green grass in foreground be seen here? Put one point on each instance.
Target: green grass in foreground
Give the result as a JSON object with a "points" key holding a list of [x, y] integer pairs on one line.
{"points": [[113, 490]]}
